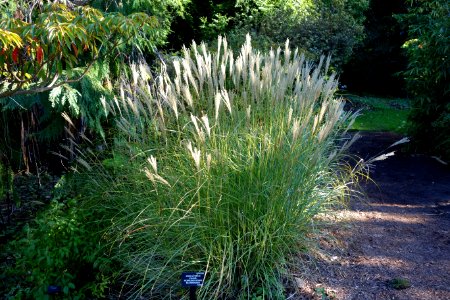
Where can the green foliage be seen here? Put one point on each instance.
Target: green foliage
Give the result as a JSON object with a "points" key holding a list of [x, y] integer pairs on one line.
{"points": [[317, 27], [218, 24], [427, 75], [40, 54], [221, 167], [45, 47], [5, 8], [324, 295], [40, 115], [163, 10], [60, 247], [65, 94], [399, 283]]}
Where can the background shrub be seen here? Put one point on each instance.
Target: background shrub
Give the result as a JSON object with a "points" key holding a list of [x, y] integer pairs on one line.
{"points": [[427, 74], [316, 27], [322, 27], [330, 27]]}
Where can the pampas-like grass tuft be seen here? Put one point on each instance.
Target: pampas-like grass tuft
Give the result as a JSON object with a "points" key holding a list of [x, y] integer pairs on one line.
{"points": [[230, 160]]}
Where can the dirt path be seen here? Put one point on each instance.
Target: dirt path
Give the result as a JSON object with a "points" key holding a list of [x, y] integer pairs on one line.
{"points": [[401, 232]]}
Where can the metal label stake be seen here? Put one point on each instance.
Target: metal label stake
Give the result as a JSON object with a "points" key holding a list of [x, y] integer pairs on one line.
{"points": [[192, 280]]}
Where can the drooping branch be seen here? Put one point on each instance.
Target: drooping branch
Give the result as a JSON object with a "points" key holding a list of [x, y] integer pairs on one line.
{"points": [[48, 87], [23, 68]]}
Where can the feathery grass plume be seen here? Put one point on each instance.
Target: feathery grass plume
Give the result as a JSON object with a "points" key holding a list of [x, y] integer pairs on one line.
{"points": [[226, 99], [176, 65], [195, 153], [198, 130], [217, 101], [205, 121], [295, 130], [291, 111], [153, 163], [239, 203], [155, 177]]}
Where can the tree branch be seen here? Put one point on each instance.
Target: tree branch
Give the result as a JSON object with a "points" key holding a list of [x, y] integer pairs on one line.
{"points": [[48, 87]]}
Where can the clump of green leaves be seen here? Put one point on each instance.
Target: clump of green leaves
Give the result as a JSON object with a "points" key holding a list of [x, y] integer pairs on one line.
{"points": [[399, 283], [164, 11], [59, 248], [324, 294], [428, 51]]}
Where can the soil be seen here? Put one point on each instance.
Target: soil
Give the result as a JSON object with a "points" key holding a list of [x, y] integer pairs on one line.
{"points": [[399, 232], [31, 194]]}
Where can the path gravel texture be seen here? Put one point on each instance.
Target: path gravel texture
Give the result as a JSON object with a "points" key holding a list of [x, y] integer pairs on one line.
{"points": [[400, 230]]}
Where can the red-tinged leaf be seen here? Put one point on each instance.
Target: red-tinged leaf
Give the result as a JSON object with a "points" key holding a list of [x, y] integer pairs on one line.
{"points": [[75, 49], [15, 55], [39, 54]]}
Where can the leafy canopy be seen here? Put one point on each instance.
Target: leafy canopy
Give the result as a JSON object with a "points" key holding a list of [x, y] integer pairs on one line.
{"points": [[58, 42]]}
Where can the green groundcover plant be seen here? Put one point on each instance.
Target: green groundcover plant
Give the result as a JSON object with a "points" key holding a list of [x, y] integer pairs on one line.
{"points": [[60, 249], [220, 164]]}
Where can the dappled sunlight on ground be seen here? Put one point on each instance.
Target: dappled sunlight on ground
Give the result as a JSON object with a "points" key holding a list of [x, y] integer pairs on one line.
{"points": [[400, 230], [373, 216]]}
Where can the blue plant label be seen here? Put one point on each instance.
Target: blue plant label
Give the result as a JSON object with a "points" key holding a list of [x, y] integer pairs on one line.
{"points": [[192, 279], [54, 289]]}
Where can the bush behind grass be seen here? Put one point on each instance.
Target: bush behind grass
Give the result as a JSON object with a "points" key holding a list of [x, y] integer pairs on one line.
{"points": [[220, 167], [427, 50]]}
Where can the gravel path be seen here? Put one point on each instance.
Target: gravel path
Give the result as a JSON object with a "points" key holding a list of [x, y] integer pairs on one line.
{"points": [[401, 232]]}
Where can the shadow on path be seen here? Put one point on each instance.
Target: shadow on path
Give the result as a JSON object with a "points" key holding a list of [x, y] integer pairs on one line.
{"points": [[402, 230]]}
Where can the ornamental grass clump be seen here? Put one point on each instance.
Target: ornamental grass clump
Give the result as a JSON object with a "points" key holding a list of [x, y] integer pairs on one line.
{"points": [[220, 165]]}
